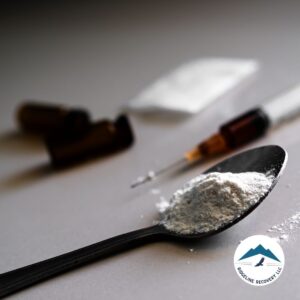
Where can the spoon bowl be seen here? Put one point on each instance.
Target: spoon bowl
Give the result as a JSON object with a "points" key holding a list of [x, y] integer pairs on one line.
{"points": [[268, 159]]}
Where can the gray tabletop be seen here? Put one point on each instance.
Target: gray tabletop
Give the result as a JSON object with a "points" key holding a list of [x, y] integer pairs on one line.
{"points": [[99, 56]]}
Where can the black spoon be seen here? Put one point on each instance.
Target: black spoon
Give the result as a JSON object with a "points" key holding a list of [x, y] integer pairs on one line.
{"points": [[263, 160]]}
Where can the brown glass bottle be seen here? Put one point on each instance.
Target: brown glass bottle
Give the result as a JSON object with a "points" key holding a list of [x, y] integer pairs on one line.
{"points": [[102, 138], [48, 119]]}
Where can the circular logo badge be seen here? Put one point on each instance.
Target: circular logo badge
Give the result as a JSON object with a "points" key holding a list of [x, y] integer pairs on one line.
{"points": [[259, 260]]}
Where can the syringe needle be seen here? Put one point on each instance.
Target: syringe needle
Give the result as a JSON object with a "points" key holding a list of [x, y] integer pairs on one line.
{"points": [[151, 175], [142, 180]]}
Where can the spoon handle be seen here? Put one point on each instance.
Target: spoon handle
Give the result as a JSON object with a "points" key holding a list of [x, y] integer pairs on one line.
{"points": [[18, 279]]}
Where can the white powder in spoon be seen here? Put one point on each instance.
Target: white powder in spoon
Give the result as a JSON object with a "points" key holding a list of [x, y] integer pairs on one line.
{"points": [[209, 201]]}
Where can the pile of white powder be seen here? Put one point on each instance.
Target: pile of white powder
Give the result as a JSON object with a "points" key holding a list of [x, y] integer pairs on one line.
{"points": [[282, 231], [211, 200]]}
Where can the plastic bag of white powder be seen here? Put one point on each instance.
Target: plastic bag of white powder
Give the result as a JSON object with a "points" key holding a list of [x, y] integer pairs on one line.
{"points": [[193, 86]]}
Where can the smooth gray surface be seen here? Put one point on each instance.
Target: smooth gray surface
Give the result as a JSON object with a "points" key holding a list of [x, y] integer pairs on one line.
{"points": [[98, 56]]}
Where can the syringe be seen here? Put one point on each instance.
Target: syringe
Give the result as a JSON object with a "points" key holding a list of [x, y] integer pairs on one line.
{"points": [[237, 132]]}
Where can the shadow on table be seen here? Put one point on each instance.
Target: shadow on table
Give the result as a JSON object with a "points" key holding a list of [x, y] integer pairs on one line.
{"points": [[207, 243], [44, 170], [25, 177]]}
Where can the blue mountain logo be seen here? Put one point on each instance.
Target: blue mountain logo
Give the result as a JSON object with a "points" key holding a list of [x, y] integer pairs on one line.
{"points": [[259, 250]]}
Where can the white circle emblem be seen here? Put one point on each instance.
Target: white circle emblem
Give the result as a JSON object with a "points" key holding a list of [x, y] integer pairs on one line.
{"points": [[259, 260]]}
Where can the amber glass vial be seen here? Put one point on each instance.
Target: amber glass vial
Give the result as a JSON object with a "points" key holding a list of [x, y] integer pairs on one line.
{"points": [[48, 119], [102, 138]]}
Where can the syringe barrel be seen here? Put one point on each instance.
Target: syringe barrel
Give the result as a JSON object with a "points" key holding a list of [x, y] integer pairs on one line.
{"points": [[245, 128], [235, 133]]}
